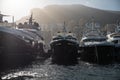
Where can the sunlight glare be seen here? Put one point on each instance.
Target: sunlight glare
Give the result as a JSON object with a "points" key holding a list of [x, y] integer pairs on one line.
{"points": [[18, 8]]}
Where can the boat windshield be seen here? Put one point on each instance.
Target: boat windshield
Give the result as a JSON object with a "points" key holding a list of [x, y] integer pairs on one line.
{"points": [[116, 41], [58, 37], [94, 40], [71, 37], [116, 37]]}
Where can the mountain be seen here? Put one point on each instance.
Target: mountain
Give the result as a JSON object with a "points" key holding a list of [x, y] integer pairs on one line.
{"points": [[53, 14]]}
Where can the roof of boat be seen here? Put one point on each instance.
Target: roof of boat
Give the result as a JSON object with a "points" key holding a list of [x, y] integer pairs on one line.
{"points": [[114, 34], [15, 32], [68, 37], [65, 36], [33, 33], [18, 33], [94, 38]]}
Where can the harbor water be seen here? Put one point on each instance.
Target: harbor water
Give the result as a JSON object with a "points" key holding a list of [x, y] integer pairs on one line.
{"points": [[44, 70]]}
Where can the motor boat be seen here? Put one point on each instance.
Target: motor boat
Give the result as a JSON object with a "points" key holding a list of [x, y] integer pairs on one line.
{"points": [[33, 29], [16, 47], [64, 48], [94, 46]]}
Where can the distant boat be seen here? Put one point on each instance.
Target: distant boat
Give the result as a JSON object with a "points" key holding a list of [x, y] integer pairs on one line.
{"points": [[34, 30], [19, 46], [114, 38], [29, 25], [95, 48], [64, 48]]}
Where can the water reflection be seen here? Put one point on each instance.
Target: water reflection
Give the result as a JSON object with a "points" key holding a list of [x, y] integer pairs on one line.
{"points": [[82, 71]]}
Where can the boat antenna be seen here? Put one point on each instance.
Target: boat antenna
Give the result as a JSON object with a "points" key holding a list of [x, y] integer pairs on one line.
{"points": [[118, 23], [64, 28], [1, 17], [93, 23], [118, 26], [31, 19]]}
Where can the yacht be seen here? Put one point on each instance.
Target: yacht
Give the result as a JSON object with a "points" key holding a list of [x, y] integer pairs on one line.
{"points": [[94, 45], [64, 48], [15, 47], [19, 46], [30, 24], [33, 29]]}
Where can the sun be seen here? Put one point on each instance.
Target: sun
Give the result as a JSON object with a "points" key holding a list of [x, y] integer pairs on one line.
{"points": [[19, 8]]}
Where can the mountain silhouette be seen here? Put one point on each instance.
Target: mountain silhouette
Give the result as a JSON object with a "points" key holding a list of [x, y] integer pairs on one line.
{"points": [[53, 14]]}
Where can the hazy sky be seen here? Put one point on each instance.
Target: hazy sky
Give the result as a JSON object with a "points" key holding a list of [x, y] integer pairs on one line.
{"points": [[20, 8]]}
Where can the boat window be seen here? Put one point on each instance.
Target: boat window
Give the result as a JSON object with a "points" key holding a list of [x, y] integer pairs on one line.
{"points": [[70, 37], [116, 36], [57, 38], [118, 41], [115, 41], [102, 39], [92, 40]]}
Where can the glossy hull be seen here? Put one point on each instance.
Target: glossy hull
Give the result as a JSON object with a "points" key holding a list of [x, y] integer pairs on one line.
{"points": [[64, 52], [100, 54], [14, 50], [117, 53]]}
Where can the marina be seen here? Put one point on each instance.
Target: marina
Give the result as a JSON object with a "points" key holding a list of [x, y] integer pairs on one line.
{"points": [[59, 40]]}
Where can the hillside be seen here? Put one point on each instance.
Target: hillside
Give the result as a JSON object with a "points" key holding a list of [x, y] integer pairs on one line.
{"points": [[53, 14]]}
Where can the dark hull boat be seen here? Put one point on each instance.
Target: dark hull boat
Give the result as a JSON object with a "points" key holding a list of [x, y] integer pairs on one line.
{"points": [[100, 53], [117, 53], [16, 48], [33, 30], [94, 46], [38, 41], [64, 52], [64, 48]]}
